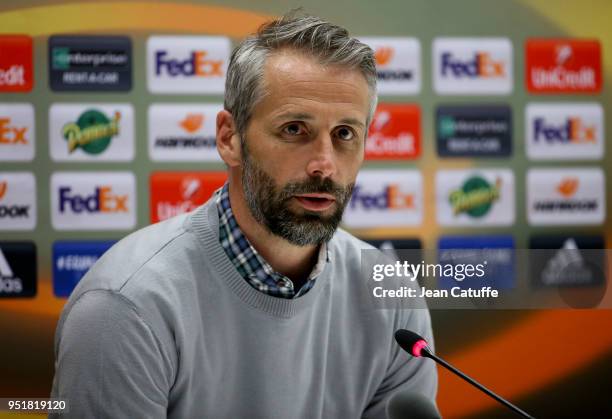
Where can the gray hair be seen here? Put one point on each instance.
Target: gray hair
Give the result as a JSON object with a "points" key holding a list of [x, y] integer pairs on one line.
{"points": [[330, 44]]}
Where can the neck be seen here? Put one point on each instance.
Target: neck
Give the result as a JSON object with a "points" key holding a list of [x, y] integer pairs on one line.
{"points": [[295, 262]]}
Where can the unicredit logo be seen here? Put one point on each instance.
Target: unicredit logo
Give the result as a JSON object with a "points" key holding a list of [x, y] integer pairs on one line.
{"points": [[480, 66], [573, 130], [389, 198], [563, 65], [379, 143], [103, 200], [197, 64]]}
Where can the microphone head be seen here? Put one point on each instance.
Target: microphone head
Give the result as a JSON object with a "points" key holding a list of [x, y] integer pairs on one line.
{"points": [[410, 342], [411, 405]]}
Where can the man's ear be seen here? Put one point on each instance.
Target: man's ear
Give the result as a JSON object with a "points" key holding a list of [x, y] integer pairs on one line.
{"points": [[228, 140]]}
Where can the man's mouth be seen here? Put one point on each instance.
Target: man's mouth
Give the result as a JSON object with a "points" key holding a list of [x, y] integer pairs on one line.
{"points": [[315, 201]]}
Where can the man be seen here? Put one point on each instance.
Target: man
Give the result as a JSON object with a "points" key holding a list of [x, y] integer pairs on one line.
{"points": [[251, 307]]}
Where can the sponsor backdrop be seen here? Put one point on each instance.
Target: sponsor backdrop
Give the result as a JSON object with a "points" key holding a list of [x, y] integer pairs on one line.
{"points": [[491, 133]]}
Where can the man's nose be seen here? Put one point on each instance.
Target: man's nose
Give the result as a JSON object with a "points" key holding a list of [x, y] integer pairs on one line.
{"points": [[322, 162]]}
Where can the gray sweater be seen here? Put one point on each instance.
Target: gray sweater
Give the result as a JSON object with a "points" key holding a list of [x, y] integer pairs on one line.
{"points": [[164, 326]]}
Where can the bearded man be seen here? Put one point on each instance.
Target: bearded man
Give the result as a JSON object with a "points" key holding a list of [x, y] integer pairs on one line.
{"points": [[251, 306]]}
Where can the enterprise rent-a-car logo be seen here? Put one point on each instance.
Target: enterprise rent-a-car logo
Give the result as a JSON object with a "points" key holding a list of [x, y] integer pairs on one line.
{"points": [[472, 66], [90, 63], [93, 200], [187, 64]]}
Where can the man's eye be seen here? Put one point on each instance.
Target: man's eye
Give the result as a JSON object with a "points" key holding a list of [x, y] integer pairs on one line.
{"points": [[293, 129], [345, 133]]}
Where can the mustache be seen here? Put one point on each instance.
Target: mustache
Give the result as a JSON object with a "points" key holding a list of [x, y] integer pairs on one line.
{"points": [[317, 185]]}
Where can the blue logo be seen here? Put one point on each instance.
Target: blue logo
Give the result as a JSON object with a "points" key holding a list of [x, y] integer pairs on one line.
{"points": [[495, 253], [72, 260]]}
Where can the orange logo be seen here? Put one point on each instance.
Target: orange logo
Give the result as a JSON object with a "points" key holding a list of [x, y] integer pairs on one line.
{"points": [[192, 122], [383, 56], [568, 187], [3, 188]]}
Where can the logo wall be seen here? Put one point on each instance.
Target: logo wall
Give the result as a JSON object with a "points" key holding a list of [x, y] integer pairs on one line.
{"points": [[16, 63], [563, 66], [187, 64], [17, 201], [17, 269], [475, 198], [398, 64], [88, 132], [183, 132], [175, 193], [90, 63], [395, 133], [566, 196], [384, 198], [472, 66], [93, 201], [564, 131], [17, 136]]}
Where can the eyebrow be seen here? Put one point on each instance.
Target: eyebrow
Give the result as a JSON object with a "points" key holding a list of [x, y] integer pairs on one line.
{"points": [[309, 117]]}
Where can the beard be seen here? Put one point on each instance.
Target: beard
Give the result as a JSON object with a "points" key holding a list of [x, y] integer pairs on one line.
{"points": [[269, 204]]}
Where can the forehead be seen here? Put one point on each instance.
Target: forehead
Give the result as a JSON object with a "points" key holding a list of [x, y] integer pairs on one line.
{"points": [[292, 77]]}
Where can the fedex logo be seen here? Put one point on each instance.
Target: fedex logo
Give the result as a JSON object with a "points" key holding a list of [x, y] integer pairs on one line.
{"points": [[187, 64], [80, 201], [389, 198], [16, 132], [386, 198], [197, 64], [481, 65], [572, 130], [102, 200], [472, 66], [11, 134], [564, 131]]}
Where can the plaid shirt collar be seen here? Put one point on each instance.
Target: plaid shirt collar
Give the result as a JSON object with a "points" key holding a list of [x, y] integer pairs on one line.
{"points": [[249, 263]]}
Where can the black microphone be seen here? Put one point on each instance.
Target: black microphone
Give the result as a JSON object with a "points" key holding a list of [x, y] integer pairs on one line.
{"points": [[416, 346], [404, 405]]}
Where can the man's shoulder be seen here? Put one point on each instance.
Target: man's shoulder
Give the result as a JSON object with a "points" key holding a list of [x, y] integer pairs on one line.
{"points": [[131, 257]]}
